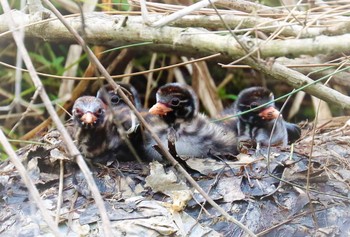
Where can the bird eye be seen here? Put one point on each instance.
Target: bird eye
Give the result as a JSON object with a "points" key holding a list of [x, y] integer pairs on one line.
{"points": [[115, 99], [175, 101], [99, 111], [254, 105], [78, 111]]}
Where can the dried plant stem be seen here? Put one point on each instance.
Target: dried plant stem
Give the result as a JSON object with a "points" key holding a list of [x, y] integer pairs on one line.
{"points": [[300, 81], [150, 80], [26, 179], [183, 12], [60, 192], [250, 7], [309, 170], [73, 150], [312, 65], [173, 37], [122, 75], [305, 213], [144, 12], [163, 149], [25, 114]]}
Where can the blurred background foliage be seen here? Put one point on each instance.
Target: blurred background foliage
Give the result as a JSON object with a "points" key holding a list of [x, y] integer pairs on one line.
{"points": [[51, 57]]}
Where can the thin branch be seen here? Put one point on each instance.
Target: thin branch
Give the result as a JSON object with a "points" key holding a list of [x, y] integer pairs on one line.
{"points": [[26, 112], [302, 82], [172, 37], [312, 65], [252, 7], [26, 179], [108, 30], [144, 12], [122, 75], [183, 12], [135, 30], [60, 193], [73, 150], [291, 218], [248, 23]]}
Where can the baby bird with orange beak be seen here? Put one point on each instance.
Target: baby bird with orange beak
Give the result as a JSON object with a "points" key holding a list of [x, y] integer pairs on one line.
{"points": [[90, 119], [195, 136], [256, 126], [105, 127]]}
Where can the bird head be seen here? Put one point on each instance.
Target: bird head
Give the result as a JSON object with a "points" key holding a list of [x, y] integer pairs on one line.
{"points": [[89, 112], [175, 103], [120, 111], [252, 98], [109, 96]]}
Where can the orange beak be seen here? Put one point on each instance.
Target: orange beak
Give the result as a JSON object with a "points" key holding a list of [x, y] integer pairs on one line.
{"points": [[269, 113], [88, 118], [160, 109]]}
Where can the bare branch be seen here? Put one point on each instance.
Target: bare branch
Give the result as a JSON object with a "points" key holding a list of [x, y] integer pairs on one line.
{"points": [[179, 14], [111, 30], [103, 29], [298, 80], [252, 7], [13, 157], [73, 150], [28, 182]]}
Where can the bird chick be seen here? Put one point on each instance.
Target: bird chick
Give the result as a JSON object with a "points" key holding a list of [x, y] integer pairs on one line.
{"points": [[256, 126], [105, 126], [92, 129], [195, 135], [122, 113], [128, 126]]}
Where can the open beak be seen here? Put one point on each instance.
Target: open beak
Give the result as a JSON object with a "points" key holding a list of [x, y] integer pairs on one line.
{"points": [[160, 109], [88, 118], [269, 113]]}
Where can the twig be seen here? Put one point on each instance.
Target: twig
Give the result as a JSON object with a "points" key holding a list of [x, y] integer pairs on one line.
{"points": [[23, 115], [304, 87], [122, 75], [150, 80], [183, 12], [264, 232], [60, 192], [144, 12], [309, 170], [301, 82], [250, 7], [25, 177], [294, 78], [73, 150], [166, 153], [313, 65], [170, 36], [211, 186], [273, 129]]}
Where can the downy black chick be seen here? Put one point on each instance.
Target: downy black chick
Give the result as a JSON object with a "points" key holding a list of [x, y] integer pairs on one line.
{"points": [[124, 118], [122, 113], [255, 127], [93, 131], [195, 135], [102, 126]]}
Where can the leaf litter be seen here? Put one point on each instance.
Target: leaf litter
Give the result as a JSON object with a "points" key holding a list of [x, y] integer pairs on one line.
{"points": [[152, 199]]}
